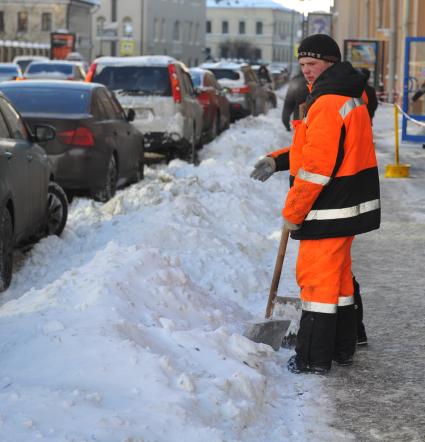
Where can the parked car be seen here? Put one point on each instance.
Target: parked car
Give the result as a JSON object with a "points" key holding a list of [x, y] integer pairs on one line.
{"points": [[32, 205], [265, 78], [279, 74], [76, 56], [160, 90], [213, 100], [55, 70], [24, 60], [96, 148], [245, 93], [10, 71]]}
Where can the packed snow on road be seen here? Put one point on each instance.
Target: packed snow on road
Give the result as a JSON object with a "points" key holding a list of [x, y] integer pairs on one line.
{"points": [[130, 326]]}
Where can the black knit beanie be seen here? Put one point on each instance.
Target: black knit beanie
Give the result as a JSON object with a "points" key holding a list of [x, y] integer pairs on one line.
{"points": [[320, 46]]}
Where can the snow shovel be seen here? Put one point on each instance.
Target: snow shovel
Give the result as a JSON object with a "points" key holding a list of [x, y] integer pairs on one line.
{"points": [[272, 331]]}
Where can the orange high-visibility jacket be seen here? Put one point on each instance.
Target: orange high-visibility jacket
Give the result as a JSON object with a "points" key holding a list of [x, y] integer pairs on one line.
{"points": [[335, 188]]}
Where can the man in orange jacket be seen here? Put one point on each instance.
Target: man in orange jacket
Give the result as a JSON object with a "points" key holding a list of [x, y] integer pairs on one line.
{"points": [[334, 196]]}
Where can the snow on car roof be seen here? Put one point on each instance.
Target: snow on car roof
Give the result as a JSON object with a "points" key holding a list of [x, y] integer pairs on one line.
{"points": [[148, 60], [223, 64], [245, 4]]}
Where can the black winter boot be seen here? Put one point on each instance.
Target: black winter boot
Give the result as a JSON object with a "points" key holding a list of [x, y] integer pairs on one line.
{"points": [[361, 331], [315, 343], [346, 335]]}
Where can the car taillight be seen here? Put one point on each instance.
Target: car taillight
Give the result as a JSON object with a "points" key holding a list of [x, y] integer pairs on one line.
{"points": [[175, 84], [204, 98], [90, 73], [241, 90], [78, 137]]}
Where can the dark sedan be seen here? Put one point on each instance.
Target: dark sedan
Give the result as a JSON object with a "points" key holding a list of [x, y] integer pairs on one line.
{"points": [[96, 148], [31, 204]]}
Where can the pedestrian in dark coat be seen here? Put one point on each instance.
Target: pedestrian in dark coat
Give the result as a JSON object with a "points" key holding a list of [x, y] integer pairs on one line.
{"points": [[295, 96], [372, 103], [418, 94]]}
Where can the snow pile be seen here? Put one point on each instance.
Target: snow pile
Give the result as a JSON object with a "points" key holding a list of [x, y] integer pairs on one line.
{"points": [[129, 327]]}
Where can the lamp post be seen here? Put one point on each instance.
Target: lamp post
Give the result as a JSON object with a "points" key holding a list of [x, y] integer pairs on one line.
{"points": [[114, 20]]}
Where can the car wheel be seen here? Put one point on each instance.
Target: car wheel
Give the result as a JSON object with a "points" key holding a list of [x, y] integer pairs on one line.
{"points": [[215, 130], [253, 108], [193, 151], [57, 210], [110, 187], [140, 170], [191, 154], [6, 249]]}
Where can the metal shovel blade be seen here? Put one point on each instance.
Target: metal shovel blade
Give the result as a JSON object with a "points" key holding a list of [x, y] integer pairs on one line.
{"points": [[268, 331]]}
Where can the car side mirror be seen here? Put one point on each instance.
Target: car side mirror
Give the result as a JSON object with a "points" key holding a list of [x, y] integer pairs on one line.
{"points": [[43, 133], [131, 115]]}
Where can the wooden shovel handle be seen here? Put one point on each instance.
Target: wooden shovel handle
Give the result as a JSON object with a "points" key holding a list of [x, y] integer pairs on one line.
{"points": [[277, 271]]}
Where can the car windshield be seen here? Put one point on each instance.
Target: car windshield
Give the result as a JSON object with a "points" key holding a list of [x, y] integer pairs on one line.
{"points": [[225, 73], [23, 64], [196, 78], [42, 68], [134, 80], [48, 100]]}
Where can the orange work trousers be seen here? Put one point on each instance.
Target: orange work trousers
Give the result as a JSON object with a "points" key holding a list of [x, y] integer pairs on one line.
{"points": [[324, 273]]}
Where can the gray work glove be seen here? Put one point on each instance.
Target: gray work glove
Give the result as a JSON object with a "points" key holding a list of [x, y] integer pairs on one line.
{"points": [[264, 169], [291, 226]]}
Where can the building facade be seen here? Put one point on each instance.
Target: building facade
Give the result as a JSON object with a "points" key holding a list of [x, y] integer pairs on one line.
{"points": [[151, 27], [26, 24], [371, 19], [257, 30]]}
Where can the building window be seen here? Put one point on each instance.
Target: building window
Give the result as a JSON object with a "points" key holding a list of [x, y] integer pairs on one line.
{"points": [[162, 31], [257, 54], [100, 24], [208, 27], [22, 21], [176, 31], [190, 36], [196, 37], [224, 27], [1, 21], [127, 28], [242, 27], [259, 27], [156, 29], [46, 21]]}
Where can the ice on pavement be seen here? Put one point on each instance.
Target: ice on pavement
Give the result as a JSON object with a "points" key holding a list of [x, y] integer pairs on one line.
{"points": [[129, 327]]}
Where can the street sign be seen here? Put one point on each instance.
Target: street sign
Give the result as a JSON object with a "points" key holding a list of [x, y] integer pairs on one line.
{"points": [[319, 23], [127, 48], [109, 32], [364, 54], [61, 44]]}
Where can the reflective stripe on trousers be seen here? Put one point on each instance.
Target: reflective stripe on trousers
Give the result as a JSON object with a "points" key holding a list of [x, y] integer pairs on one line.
{"points": [[320, 307]]}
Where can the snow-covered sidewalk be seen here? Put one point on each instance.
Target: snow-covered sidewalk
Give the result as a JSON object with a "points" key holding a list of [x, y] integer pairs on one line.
{"points": [[129, 327]]}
